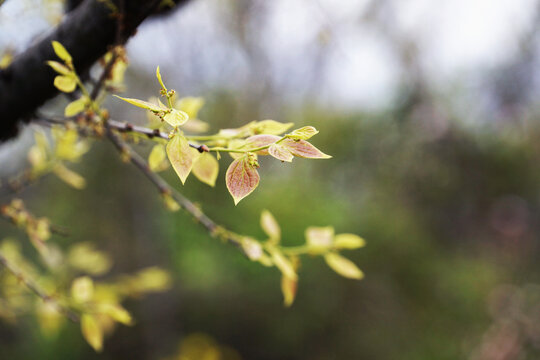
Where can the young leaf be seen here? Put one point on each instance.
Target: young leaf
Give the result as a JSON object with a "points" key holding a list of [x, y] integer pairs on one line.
{"points": [[348, 241], [270, 226], [190, 105], [319, 239], [70, 177], [206, 169], [156, 157], [92, 331], [256, 141], [271, 127], [176, 117], [116, 312], [170, 203], [158, 75], [343, 266], [280, 152], [241, 178], [82, 289], [288, 289], [59, 68], [141, 103], [181, 156], [283, 264], [75, 107], [303, 133], [304, 149], [65, 83], [61, 51]]}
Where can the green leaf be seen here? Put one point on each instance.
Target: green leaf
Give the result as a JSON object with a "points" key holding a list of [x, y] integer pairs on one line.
{"points": [[280, 152], [288, 289], [283, 264], [170, 203], [270, 127], [176, 117], [156, 157], [59, 68], [343, 266], [158, 75], [61, 51], [92, 332], [270, 226], [206, 169], [303, 133], [82, 289], [75, 107], [69, 177], [348, 241], [304, 149], [116, 312], [190, 105], [241, 178], [319, 239], [141, 103], [65, 83], [181, 156]]}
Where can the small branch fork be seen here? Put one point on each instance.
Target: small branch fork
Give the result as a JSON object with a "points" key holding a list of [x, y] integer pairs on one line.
{"points": [[70, 314]]}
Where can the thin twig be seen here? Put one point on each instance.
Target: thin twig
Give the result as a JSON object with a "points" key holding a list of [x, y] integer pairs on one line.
{"points": [[165, 189], [70, 314]]}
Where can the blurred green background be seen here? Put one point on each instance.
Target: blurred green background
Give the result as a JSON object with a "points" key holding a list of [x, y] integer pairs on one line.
{"points": [[440, 174]]}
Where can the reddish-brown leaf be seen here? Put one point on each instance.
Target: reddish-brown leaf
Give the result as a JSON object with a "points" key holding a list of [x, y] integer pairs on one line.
{"points": [[241, 178]]}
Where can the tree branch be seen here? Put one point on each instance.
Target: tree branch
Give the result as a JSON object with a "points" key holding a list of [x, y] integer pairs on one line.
{"points": [[70, 314], [165, 189], [87, 33]]}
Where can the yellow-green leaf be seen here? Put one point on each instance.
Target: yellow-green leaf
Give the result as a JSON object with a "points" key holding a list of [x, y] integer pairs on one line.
{"points": [[75, 107], [283, 264], [280, 152], [206, 169], [288, 289], [319, 239], [61, 51], [343, 266], [241, 178], [65, 83], [303, 133], [156, 157], [348, 241], [270, 226], [304, 149], [116, 312], [92, 332], [176, 117], [181, 156], [70, 177], [153, 279], [158, 75], [271, 127], [59, 68], [190, 105], [82, 289], [195, 125], [170, 203], [141, 103]]}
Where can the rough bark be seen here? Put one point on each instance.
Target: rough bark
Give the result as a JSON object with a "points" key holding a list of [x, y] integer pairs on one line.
{"points": [[87, 32]]}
